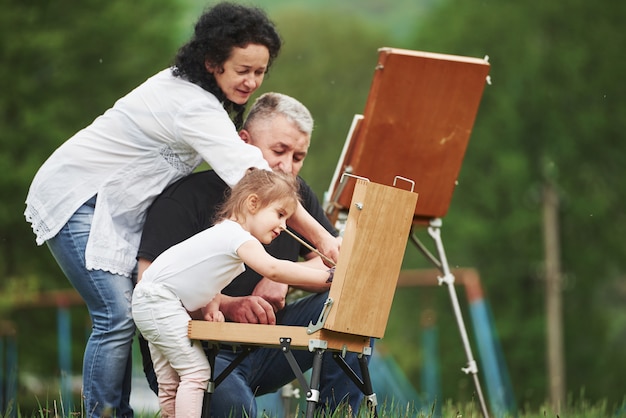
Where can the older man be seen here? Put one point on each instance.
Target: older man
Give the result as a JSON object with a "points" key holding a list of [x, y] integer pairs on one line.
{"points": [[281, 127]]}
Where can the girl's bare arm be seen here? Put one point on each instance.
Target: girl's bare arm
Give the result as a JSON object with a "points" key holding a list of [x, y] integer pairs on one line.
{"points": [[283, 271]]}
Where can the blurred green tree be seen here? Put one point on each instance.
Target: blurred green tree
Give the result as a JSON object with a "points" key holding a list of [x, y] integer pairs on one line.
{"points": [[64, 63], [327, 63], [555, 111]]}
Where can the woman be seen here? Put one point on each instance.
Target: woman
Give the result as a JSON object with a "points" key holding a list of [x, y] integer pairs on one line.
{"points": [[89, 199]]}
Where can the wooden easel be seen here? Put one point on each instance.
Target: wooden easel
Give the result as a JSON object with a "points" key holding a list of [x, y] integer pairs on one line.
{"points": [[417, 122], [359, 300]]}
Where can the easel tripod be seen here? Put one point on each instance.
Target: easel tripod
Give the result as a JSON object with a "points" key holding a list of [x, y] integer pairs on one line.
{"points": [[441, 263], [416, 123], [434, 230]]}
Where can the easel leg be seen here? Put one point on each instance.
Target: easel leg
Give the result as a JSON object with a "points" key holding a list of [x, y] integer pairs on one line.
{"points": [[434, 230], [211, 353], [312, 391], [313, 394], [364, 385], [206, 403], [370, 396]]}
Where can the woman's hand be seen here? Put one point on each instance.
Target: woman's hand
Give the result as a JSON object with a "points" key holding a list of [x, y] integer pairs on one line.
{"points": [[330, 246]]}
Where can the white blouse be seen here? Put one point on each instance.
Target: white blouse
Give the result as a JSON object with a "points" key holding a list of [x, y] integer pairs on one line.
{"points": [[156, 134]]}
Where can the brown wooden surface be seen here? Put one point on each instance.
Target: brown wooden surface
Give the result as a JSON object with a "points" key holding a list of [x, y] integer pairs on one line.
{"points": [[270, 335], [417, 121], [370, 259], [365, 278]]}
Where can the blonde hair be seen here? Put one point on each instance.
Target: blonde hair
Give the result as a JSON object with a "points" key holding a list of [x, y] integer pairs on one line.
{"points": [[269, 186]]}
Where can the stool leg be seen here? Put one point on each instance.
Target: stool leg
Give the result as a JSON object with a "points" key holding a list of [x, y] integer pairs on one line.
{"points": [[368, 390], [364, 384], [313, 395], [211, 353]]}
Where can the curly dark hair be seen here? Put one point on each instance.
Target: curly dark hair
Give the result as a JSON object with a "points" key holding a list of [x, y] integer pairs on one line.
{"points": [[220, 29]]}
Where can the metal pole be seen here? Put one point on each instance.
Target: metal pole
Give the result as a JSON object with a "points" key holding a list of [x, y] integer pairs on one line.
{"points": [[448, 278], [488, 349]]}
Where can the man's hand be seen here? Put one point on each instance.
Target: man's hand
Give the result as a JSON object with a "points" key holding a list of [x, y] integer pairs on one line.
{"points": [[273, 292], [268, 297], [248, 310]]}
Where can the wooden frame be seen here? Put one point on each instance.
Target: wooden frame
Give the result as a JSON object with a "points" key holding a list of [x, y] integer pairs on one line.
{"points": [[417, 121]]}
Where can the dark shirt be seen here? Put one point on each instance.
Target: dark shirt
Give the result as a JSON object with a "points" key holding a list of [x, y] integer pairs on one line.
{"points": [[188, 206]]}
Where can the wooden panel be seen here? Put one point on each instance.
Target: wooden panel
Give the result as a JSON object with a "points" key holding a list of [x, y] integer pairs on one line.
{"points": [[370, 259], [270, 335], [365, 279], [417, 121]]}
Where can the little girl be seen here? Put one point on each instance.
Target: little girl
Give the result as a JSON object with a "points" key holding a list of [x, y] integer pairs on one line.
{"points": [[189, 277]]}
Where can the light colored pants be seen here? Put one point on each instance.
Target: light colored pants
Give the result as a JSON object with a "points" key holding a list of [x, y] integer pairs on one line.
{"points": [[181, 366]]}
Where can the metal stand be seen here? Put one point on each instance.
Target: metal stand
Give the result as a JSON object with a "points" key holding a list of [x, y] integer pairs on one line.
{"points": [[364, 385], [311, 390], [211, 352], [434, 230]]}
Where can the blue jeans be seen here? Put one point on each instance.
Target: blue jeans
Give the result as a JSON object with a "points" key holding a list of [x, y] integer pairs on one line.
{"points": [[107, 358], [265, 370]]}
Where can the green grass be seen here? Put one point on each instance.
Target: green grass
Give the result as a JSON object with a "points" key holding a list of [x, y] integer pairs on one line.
{"points": [[578, 409]]}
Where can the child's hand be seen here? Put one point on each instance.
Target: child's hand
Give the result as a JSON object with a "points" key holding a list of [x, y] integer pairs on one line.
{"points": [[214, 316], [211, 311]]}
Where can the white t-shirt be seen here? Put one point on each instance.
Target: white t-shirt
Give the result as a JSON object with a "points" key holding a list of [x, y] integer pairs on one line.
{"points": [[199, 267], [156, 134]]}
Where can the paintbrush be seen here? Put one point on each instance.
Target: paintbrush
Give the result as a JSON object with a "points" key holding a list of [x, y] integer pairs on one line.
{"points": [[301, 241]]}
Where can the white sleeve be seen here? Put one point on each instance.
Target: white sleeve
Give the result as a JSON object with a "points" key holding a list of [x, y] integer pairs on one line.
{"points": [[209, 131]]}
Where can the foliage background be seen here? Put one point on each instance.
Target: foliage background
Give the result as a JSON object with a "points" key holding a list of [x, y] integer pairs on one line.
{"points": [[555, 112]]}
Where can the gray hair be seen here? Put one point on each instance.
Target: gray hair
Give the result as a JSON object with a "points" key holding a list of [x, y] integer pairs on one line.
{"points": [[269, 105]]}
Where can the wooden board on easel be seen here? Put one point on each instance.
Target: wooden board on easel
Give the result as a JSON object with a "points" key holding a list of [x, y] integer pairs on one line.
{"points": [[417, 122]]}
